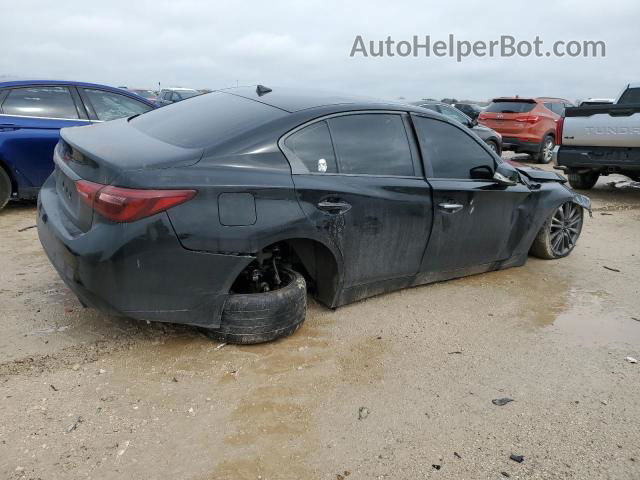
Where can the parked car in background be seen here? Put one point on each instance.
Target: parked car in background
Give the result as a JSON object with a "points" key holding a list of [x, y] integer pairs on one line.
{"points": [[471, 110], [527, 125], [167, 96], [492, 138], [596, 101], [31, 115], [150, 95], [218, 211], [601, 139]]}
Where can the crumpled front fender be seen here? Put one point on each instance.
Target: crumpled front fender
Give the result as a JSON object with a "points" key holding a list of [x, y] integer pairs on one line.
{"points": [[583, 201]]}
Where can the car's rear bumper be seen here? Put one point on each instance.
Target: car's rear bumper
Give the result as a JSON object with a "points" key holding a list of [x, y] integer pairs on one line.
{"points": [[610, 159], [139, 269], [524, 145]]}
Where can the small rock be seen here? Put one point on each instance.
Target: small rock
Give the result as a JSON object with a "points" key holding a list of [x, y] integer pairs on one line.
{"points": [[501, 401], [363, 412], [75, 367], [436, 466], [19, 469], [456, 454], [74, 425], [102, 371], [516, 458], [174, 379], [505, 474], [631, 360]]}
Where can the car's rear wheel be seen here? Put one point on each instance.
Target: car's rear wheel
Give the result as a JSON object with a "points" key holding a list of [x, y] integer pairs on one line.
{"points": [[493, 146], [261, 317], [546, 150], [559, 234], [583, 181], [5, 188]]}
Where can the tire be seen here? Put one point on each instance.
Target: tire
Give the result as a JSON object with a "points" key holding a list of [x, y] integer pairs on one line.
{"points": [[5, 188], [583, 181], [493, 146], [558, 236], [546, 150], [249, 318]]}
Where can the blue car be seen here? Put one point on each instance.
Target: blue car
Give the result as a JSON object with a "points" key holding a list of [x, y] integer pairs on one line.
{"points": [[31, 116]]}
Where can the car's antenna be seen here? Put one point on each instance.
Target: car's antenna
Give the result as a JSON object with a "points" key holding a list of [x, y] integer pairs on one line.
{"points": [[262, 90]]}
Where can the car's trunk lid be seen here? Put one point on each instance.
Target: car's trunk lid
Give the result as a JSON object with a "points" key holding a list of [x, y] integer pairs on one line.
{"points": [[103, 154]]}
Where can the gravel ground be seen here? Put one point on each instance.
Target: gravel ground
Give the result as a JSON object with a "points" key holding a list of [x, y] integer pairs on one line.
{"points": [[399, 386]]}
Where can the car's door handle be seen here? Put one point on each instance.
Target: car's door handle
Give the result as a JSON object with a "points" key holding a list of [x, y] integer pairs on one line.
{"points": [[8, 126], [448, 207], [334, 207]]}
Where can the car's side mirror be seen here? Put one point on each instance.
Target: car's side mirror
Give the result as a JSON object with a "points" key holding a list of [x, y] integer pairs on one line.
{"points": [[506, 175], [482, 172], [474, 122]]}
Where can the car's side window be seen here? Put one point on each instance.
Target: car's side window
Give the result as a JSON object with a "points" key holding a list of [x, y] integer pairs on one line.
{"points": [[109, 106], [371, 144], [312, 149], [45, 101], [451, 152]]}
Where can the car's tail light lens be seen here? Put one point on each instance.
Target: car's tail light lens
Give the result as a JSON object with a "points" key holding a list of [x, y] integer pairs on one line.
{"points": [[123, 205], [528, 119], [559, 127]]}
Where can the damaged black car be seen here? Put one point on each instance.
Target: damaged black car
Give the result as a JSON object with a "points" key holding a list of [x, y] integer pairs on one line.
{"points": [[221, 211]]}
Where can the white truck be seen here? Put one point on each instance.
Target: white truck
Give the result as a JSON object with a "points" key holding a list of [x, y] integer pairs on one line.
{"points": [[598, 140]]}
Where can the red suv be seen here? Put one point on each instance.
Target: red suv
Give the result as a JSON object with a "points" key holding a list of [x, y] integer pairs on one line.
{"points": [[527, 125]]}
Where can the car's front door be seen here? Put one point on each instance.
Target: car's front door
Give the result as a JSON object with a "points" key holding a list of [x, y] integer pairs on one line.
{"points": [[30, 122], [359, 181], [476, 220]]}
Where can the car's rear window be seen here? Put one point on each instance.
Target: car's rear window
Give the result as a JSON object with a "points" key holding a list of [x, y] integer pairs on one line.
{"points": [[510, 107], [205, 120], [631, 95]]}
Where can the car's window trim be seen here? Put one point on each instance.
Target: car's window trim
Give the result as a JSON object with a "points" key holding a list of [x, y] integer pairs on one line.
{"points": [[427, 164], [297, 165], [5, 94]]}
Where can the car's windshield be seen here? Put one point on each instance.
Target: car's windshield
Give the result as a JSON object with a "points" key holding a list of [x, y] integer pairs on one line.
{"points": [[510, 107], [206, 120], [145, 93], [188, 93]]}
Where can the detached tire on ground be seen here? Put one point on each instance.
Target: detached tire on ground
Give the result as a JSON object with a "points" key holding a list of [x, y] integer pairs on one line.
{"points": [[5, 188], [583, 181], [261, 317]]}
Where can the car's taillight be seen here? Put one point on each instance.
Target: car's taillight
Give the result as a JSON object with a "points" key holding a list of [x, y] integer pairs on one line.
{"points": [[482, 116], [121, 205], [559, 127], [528, 119]]}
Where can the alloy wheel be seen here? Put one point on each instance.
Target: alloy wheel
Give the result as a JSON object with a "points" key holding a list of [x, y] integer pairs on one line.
{"points": [[547, 151], [566, 225]]}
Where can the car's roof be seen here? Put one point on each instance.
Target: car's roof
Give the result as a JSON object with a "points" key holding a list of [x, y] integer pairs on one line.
{"points": [[294, 99], [22, 83], [529, 99]]}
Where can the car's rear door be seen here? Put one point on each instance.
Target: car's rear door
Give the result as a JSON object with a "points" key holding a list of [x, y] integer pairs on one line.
{"points": [[476, 221], [30, 121], [359, 181]]}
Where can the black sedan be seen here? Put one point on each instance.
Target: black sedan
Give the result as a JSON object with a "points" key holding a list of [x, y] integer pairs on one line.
{"points": [[219, 211]]}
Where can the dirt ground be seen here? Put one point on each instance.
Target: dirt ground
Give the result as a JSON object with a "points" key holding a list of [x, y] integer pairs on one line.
{"points": [[395, 387]]}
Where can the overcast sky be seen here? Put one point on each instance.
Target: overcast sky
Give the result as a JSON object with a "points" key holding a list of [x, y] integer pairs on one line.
{"points": [[211, 44]]}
